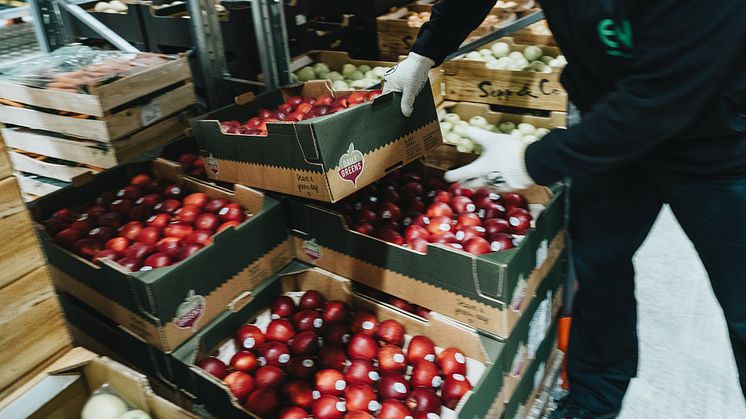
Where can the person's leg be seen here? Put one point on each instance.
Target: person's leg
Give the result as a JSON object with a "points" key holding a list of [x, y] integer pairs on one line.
{"points": [[713, 215], [610, 217]]}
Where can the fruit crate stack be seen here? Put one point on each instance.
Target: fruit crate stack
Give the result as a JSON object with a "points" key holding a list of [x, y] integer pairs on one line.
{"points": [[31, 322], [67, 120]]}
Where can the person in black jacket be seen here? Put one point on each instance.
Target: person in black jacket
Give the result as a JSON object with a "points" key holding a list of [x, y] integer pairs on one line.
{"points": [[661, 86]]}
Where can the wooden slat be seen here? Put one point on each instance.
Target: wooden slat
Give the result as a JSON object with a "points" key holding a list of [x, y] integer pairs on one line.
{"points": [[10, 198], [5, 168], [32, 328], [101, 98], [73, 174], [109, 127], [36, 187], [79, 151], [22, 254], [152, 137]]}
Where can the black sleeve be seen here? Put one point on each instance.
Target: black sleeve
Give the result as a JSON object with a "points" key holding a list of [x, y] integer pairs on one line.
{"points": [[449, 25], [683, 54]]}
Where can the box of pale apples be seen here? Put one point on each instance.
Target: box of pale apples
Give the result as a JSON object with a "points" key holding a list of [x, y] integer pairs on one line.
{"points": [[158, 252], [310, 141]]}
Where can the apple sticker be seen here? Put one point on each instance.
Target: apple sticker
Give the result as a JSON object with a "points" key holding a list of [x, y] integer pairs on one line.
{"points": [[312, 249], [190, 311], [351, 165]]}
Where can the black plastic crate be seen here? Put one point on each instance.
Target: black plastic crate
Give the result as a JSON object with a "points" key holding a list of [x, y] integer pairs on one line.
{"points": [[127, 25]]}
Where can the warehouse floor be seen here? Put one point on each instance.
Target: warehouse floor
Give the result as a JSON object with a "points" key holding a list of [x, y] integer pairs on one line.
{"points": [[686, 363]]}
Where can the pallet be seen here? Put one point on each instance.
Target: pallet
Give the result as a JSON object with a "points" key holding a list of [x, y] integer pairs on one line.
{"points": [[32, 328], [471, 81], [447, 157], [92, 153], [112, 125], [395, 36], [102, 98], [44, 166]]}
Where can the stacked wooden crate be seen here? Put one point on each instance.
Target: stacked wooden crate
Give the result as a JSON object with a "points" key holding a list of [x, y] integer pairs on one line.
{"points": [[58, 135], [32, 328]]}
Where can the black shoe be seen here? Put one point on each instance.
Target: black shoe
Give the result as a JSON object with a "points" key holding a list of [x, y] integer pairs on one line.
{"points": [[568, 408]]}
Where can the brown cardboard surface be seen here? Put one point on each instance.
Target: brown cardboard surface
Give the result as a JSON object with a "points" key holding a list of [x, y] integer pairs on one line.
{"points": [[32, 328], [168, 336]]}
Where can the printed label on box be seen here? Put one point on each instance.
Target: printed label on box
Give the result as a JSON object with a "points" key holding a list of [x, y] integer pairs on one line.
{"points": [[212, 164], [516, 368], [150, 113], [351, 165], [519, 294], [312, 249], [542, 252], [539, 375], [190, 311], [537, 329]]}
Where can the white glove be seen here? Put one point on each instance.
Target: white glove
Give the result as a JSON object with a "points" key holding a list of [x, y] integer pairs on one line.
{"points": [[502, 164], [408, 77]]}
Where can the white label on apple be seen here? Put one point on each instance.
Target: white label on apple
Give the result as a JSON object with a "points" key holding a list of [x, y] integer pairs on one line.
{"points": [[284, 359], [307, 363], [398, 358], [340, 385], [341, 406], [458, 377], [346, 338], [374, 376], [373, 406], [430, 357], [249, 343], [400, 388], [368, 325], [316, 395], [437, 381], [460, 358], [317, 323]]}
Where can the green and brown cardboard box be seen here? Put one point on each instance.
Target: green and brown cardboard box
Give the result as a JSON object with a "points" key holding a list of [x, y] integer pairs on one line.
{"points": [[486, 292], [325, 158], [166, 306], [300, 277]]}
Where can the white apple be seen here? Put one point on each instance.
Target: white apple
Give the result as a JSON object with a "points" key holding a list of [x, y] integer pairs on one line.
{"points": [[379, 72], [532, 53], [461, 128], [500, 49], [526, 128], [103, 406], [446, 126], [474, 55], [490, 127], [541, 132], [506, 126], [528, 139], [516, 133], [452, 118], [364, 68], [465, 145], [478, 121], [451, 138], [320, 68], [485, 52]]}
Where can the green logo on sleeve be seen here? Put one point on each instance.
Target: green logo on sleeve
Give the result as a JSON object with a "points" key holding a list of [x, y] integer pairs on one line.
{"points": [[617, 38]]}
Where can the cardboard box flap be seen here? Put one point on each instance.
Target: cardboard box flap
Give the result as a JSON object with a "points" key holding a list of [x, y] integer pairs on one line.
{"points": [[307, 142]]}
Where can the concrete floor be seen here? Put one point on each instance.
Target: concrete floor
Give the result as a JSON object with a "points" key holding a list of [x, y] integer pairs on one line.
{"points": [[686, 363]]}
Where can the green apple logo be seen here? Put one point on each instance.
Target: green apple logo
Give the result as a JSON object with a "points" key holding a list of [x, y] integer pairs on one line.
{"points": [[312, 249], [351, 165], [190, 311]]}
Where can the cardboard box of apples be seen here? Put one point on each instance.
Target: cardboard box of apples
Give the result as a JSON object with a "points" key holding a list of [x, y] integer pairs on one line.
{"points": [[310, 141], [418, 238], [158, 252], [458, 149], [308, 344]]}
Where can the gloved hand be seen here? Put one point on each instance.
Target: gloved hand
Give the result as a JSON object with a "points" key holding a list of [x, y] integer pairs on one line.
{"points": [[408, 77], [502, 164]]}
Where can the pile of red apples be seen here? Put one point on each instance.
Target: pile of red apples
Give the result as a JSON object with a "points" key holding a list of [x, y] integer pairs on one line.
{"points": [[407, 210], [319, 359], [296, 109], [145, 225]]}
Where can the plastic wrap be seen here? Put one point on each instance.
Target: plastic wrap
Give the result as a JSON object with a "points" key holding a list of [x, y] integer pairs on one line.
{"points": [[106, 403], [76, 68]]}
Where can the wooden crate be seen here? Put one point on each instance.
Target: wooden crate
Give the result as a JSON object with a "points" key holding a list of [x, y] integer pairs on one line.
{"points": [[395, 36], [471, 81], [96, 154], [447, 157], [103, 98], [32, 328], [114, 124], [44, 166], [335, 59], [537, 34], [5, 167]]}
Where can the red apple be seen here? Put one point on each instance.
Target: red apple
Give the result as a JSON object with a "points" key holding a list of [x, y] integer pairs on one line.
{"points": [[139, 251], [226, 225], [294, 412], [418, 245], [393, 385], [394, 409], [520, 220], [201, 237], [159, 221], [491, 210], [390, 211], [358, 414], [102, 234], [122, 206], [423, 401], [335, 311], [391, 358], [458, 190], [362, 371], [357, 98], [95, 211], [400, 304], [469, 219], [415, 219], [454, 388], [141, 180], [415, 204], [311, 300], [263, 402], [280, 330], [452, 361], [213, 366], [131, 192], [332, 357], [129, 264], [361, 397], [131, 230], [425, 374], [187, 251], [439, 209], [466, 233], [214, 205], [274, 353], [328, 407], [240, 384], [366, 322], [496, 226], [415, 231], [104, 200], [391, 236], [501, 241], [244, 361], [412, 190], [304, 343], [111, 219], [178, 230], [420, 348], [308, 320], [444, 237], [249, 337], [391, 332], [87, 247], [169, 246], [336, 334], [299, 393], [168, 206], [441, 224], [514, 200], [232, 212], [462, 205], [83, 223], [207, 221], [148, 235], [362, 346], [156, 260], [187, 214], [294, 101], [105, 254], [390, 195], [302, 367], [269, 377], [330, 381], [365, 228], [283, 307], [477, 246]]}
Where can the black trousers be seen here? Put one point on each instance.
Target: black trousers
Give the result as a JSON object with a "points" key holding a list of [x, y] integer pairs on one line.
{"points": [[611, 216]]}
